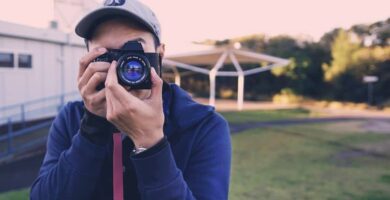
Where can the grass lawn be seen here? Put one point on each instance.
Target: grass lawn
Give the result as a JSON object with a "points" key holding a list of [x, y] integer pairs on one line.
{"points": [[309, 162], [15, 195], [332, 161]]}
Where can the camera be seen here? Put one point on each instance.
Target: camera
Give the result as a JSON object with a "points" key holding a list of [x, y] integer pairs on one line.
{"points": [[133, 65]]}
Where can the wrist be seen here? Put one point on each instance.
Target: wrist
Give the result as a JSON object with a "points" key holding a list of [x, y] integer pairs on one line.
{"points": [[148, 142], [136, 153]]}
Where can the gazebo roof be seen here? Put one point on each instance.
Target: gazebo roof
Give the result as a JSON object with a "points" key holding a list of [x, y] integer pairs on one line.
{"points": [[218, 57], [209, 57]]}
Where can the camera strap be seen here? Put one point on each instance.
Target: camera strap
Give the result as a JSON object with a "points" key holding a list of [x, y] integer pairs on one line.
{"points": [[117, 167]]}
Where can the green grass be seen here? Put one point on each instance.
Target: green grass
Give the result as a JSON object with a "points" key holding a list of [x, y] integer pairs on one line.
{"points": [[300, 162], [313, 162], [16, 195], [265, 115]]}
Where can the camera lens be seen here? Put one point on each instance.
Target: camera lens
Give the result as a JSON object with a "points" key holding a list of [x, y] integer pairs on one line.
{"points": [[133, 70]]}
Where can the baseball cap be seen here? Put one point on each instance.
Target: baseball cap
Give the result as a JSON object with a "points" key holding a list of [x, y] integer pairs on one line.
{"points": [[131, 9]]}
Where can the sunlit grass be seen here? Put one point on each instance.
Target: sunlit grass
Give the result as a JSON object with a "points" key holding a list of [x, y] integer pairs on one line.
{"points": [[265, 115], [299, 163]]}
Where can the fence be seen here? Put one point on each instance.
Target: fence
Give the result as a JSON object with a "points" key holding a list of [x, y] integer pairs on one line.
{"points": [[24, 126]]}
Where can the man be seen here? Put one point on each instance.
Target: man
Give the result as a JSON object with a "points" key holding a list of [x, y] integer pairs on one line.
{"points": [[171, 147]]}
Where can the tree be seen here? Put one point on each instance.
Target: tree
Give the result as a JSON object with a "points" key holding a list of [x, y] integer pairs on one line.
{"points": [[342, 50], [328, 38]]}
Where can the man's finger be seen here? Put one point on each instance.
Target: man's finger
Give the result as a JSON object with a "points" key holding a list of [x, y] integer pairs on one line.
{"points": [[88, 58], [94, 81], [109, 96], [118, 91], [101, 95], [91, 70], [111, 76], [157, 83], [112, 80], [109, 108]]}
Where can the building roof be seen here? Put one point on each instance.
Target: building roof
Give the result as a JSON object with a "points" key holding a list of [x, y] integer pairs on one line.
{"points": [[13, 30]]}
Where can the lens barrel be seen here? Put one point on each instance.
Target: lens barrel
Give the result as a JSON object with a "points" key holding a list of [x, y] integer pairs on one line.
{"points": [[133, 70]]}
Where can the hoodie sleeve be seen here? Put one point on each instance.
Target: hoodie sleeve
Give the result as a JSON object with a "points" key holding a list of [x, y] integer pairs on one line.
{"points": [[72, 164], [206, 177]]}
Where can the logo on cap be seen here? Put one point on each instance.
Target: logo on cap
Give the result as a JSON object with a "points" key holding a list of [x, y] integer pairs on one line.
{"points": [[114, 2]]}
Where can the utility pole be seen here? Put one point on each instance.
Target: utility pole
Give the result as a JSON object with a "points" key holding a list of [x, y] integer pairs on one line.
{"points": [[370, 80]]}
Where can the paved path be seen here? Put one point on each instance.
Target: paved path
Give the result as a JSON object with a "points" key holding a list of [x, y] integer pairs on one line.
{"points": [[236, 128]]}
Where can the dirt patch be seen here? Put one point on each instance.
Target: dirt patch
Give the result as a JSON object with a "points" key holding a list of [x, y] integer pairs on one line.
{"points": [[377, 126], [382, 147], [380, 150], [345, 158], [349, 154]]}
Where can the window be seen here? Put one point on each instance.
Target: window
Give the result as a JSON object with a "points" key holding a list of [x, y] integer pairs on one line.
{"points": [[24, 60], [6, 59]]}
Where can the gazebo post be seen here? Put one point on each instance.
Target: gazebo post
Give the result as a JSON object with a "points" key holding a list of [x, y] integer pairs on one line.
{"points": [[212, 89], [241, 78], [213, 75], [240, 92]]}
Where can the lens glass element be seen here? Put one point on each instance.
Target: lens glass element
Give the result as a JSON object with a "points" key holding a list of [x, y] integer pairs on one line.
{"points": [[133, 70]]}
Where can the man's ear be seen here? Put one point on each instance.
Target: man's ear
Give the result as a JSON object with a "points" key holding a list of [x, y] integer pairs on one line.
{"points": [[161, 50]]}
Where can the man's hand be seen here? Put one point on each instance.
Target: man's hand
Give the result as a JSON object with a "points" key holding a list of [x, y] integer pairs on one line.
{"points": [[141, 119], [90, 76]]}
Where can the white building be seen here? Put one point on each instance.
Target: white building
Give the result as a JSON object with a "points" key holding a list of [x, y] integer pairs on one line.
{"points": [[36, 63]]}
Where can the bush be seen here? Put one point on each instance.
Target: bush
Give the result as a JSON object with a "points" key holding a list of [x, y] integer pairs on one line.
{"points": [[287, 96]]}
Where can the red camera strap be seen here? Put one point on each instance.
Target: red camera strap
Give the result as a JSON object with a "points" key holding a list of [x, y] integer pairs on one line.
{"points": [[117, 167]]}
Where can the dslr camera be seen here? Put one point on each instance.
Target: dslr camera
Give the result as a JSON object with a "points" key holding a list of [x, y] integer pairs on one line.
{"points": [[133, 65]]}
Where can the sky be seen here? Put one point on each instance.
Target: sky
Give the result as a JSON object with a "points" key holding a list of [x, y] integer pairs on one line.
{"points": [[185, 21]]}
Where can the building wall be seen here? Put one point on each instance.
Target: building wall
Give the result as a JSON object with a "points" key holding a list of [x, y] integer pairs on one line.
{"points": [[45, 78], [55, 57]]}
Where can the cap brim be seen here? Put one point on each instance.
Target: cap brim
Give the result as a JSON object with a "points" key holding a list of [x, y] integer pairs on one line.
{"points": [[87, 23]]}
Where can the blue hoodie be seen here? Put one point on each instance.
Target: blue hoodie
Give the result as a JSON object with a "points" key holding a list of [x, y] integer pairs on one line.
{"points": [[195, 164]]}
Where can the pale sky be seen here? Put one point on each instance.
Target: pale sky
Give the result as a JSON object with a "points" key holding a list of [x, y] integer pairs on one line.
{"points": [[184, 21]]}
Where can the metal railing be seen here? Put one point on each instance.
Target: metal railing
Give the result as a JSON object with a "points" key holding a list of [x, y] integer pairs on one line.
{"points": [[18, 133]]}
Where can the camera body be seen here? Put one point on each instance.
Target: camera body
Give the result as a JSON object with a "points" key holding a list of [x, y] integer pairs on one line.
{"points": [[133, 65]]}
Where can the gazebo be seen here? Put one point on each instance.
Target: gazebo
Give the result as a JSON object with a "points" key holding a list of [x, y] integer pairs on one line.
{"points": [[217, 58]]}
